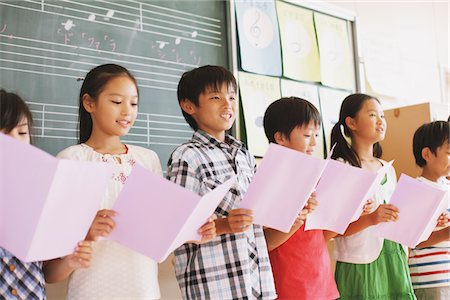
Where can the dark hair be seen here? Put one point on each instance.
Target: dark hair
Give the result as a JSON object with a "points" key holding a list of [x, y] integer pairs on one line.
{"points": [[432, 135], [197, 81], [285, 114], [12, 110], [351, 105], [93, 84]]}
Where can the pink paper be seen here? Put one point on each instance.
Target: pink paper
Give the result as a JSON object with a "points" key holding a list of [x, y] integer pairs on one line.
{"points": [[420, 205], [156, 216], [341, 193], [281, 186], [46, 204]]}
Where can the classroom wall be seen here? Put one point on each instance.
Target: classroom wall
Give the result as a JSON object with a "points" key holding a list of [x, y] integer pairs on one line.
{"points": [[408, 42]]}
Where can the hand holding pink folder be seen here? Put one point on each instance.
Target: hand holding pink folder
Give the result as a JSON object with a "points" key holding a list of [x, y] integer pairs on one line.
{"points": [[46, 204], [155, 216], [420, 205]]}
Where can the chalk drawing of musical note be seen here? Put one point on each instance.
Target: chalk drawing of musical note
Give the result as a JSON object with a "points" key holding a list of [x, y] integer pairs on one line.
{"points": [[91, 17], [194, 34], [177, 41], [161, 44], [68, 24]]}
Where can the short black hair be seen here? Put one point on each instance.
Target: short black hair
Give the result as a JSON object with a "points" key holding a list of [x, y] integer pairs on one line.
{"points": [[196, 81], [285, 114], [432, 135], [12, 110]]}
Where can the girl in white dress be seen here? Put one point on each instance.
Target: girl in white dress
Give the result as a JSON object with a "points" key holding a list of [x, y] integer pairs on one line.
{"points": [[108, 110]]}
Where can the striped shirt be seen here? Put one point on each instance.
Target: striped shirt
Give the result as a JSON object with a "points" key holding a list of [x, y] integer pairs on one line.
{"points": [[430, 266], [231, 266]]}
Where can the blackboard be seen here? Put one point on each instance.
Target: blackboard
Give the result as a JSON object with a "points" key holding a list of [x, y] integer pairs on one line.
{"points": [[47, 46]]}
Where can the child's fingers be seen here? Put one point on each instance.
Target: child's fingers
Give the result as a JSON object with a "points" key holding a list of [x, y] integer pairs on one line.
{"points": [[240, 211], [207, 227], [106, 212], [240, 219], [391, 208]]}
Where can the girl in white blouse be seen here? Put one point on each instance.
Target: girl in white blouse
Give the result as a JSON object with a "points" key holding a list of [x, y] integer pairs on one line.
{"points": [[108, 110]]}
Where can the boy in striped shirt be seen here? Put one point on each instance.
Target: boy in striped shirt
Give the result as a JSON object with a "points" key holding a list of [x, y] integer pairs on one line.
{"points": [[429, 262]]}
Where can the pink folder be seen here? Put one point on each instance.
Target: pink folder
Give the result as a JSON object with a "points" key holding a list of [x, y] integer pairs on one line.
{"points": [[281, 186], [156, 216], [46, 204], [420, 205], [341, 193]]}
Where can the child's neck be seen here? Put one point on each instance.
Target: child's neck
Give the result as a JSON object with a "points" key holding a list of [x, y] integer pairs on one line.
{"points": [[364, 150], [430, 175], [106, 144]]}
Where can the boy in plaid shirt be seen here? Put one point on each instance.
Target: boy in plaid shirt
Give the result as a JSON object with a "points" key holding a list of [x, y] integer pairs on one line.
{"points": [[235, 264]]}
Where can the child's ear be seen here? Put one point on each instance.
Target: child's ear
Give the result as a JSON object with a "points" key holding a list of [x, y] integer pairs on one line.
{"points": [[426, 153], [88, 103], [350, 122], [279, 138], [187, 106]]}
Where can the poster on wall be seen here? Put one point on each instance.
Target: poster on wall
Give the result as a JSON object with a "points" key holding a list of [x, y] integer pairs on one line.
{"points": [[330, 104], [336, 67], [257, 92], [308, 92], [298, 42], [259, 37]]}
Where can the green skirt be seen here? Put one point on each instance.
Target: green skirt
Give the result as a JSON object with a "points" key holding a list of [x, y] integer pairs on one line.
{"points": [[385, 278]]}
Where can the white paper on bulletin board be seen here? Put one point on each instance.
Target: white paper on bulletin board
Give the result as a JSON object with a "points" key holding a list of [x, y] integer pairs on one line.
{"points": [[308, 92], [257, 92], [330, 103], [298, 42], [259, 37], [335, 53]]}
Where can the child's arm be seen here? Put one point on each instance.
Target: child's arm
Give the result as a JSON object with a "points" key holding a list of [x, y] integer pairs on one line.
{"points": [[440, 235], [436, 237], [275, 238], [384, 213], [59, 269]]}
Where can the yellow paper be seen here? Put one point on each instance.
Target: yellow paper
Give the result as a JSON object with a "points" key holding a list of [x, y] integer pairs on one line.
{"points": [[298, 42], [335, 52], [257, 92]]}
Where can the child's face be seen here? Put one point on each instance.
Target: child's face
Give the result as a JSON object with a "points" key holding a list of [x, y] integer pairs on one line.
{"points": [[302, 138], [369, 123], [216, 111], [114, 112], [21, 131], [439, 163]]}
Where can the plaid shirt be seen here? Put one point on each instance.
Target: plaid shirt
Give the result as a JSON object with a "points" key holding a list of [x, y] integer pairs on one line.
{"points": [[231, 266], [19, 280]]}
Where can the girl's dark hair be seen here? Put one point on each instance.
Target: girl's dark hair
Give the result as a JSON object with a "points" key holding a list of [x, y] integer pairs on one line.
{"points": [[432, 135], [93, 84], [285, 114], [12, 110], [351, 105], [196, 81]]}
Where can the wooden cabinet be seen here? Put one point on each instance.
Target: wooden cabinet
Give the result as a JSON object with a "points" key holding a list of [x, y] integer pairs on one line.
{"points": [[402, 122]]}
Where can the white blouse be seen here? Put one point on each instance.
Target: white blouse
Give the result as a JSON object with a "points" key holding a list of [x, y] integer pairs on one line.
{"points": [[116, 272], [364, 247]]}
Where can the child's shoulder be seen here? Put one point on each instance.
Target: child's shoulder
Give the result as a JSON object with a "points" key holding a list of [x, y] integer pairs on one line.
{"points": [[138, 150], [73, 152], [190, 151]]}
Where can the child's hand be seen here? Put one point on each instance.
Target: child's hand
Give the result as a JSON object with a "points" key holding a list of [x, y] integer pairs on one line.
{"points": [[312, 203], [102, 225], [81, 257], [443, 220], [367, 208], [384, 213], [239, 220], [207, 231], [300, 220]]}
